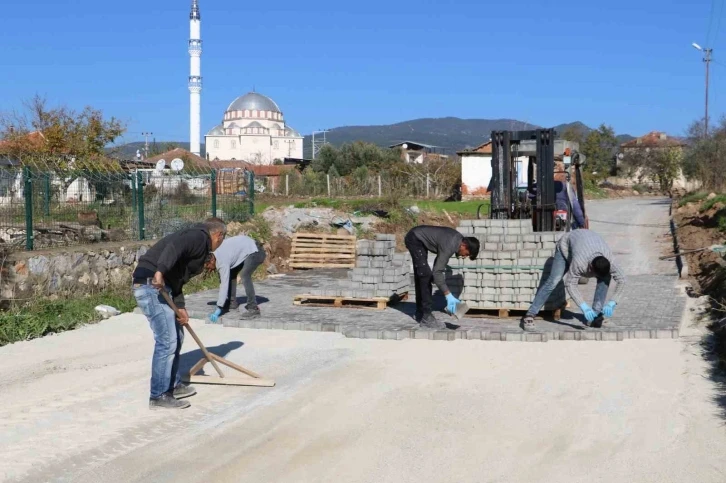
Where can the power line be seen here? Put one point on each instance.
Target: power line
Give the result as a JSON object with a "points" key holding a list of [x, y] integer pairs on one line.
{"points": [[718, 24], [710, 22]]}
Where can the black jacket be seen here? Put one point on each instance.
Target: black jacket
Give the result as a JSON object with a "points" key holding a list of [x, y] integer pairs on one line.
{"points": [[179, 257]]}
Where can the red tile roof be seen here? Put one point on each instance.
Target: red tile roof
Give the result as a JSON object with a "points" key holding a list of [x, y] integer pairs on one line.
{"points": [[485, 148], [654, 139]]}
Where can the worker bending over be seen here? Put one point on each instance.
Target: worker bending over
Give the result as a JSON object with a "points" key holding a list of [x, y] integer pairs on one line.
{"points": [[582, 253], [168, 265], [445, 243], [237, 255]]}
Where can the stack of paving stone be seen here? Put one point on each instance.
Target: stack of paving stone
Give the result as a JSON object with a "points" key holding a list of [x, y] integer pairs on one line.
{"points": [[511, 264], [379, 272]]}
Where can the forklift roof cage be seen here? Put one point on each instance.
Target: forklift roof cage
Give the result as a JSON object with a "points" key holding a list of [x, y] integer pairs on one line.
{"points": [[504, 175]]}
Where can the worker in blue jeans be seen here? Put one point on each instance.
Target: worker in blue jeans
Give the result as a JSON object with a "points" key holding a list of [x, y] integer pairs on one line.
{"points": [[168, 265], [581, 253]]}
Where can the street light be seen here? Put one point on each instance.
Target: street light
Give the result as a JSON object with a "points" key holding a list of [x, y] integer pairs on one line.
{"points": [[707, 60]]}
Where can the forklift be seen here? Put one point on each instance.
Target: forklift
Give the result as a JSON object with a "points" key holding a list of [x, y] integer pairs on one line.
{"points": [[536, 200]]}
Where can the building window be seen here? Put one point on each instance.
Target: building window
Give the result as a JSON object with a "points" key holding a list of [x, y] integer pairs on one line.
{"points": [[234, 144], [216, 144], [277, 144]]}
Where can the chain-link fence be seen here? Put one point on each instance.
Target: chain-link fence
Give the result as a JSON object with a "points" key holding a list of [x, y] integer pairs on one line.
{"points": [[44, 209]]}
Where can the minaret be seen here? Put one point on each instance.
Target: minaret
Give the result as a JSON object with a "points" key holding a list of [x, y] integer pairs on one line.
{"points": [[195, 78]]}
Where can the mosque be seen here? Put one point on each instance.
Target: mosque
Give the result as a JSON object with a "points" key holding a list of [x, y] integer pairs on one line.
{"points": [[253, 128]]}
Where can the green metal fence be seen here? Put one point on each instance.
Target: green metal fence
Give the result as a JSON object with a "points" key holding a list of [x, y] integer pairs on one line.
{"points": [[45, 209]]}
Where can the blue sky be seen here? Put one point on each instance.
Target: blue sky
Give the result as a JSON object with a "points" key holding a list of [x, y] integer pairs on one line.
{"points": [[331, 63]]}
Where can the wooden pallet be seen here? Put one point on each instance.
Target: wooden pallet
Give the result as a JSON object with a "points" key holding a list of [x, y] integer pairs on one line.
{"points": [[375, 303], [507, 313], [315, 250]]}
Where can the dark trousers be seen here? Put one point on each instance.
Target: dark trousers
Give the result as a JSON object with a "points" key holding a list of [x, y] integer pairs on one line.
{"points": [[422, 275], [246, 269]]}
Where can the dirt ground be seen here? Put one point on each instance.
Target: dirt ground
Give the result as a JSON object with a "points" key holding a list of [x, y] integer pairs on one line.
{"points": [[350, 410]]}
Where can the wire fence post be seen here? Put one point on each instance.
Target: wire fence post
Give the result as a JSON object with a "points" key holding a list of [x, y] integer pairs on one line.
{"points": [[287, 185], [133, 192], [214, 193], [28, 195], [46, 195], [140, 204], [380, 190], [251, 193]]}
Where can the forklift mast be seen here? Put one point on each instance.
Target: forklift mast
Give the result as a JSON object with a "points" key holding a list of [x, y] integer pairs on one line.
{"points": [[505, 203]]}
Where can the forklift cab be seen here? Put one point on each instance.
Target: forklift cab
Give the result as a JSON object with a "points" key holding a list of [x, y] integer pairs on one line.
{"points": [[523, 178]]}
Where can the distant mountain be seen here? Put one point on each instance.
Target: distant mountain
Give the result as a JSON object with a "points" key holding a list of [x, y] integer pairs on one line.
{"points": [[450, 133]]}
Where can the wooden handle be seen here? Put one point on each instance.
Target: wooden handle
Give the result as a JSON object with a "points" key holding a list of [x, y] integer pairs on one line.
{"points": [[206, 353]]}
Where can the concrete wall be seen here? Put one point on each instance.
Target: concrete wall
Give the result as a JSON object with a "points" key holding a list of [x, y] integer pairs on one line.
{"points": [[476, 172], [67, 271]]}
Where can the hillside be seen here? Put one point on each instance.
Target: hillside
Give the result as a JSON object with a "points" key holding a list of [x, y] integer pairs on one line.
{"points": [[451, 133]]}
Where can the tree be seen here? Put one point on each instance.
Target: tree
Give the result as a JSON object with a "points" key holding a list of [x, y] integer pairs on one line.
{"points": [[662, 165], [705, 158], [599, 148], [574, 134], [59, 137]]}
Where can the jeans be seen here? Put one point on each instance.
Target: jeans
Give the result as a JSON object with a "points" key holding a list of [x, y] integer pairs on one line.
{"points": [[557, 274], [168, 338], [422, 275], [248, 268]]}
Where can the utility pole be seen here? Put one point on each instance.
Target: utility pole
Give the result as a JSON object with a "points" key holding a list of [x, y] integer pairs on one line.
{"points": [[317, 143], [146, 135], [707, 60]]}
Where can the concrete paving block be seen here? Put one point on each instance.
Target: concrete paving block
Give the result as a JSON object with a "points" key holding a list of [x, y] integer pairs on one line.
{"points": [[465, 230], [529, 238], [444, 335], [479, 223], [536, 337], [293, 326], [544, 253], [496, 230], [666, 334], [612, 336], [479, 230], [423, 333], [514, 337], [530, 245], [491, 247], [386, 237]]}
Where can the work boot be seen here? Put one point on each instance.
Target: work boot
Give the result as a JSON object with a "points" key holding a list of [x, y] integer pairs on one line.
{"points": [[431, 322], [184, 390], [234, 305], [249, 313], [527, 324], [167, 401]]}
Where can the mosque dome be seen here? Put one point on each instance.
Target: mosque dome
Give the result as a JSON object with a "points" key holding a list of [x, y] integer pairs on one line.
{"points": [[216, 131], [254, 101]]}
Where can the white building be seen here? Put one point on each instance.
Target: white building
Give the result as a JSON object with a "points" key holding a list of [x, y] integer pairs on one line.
{"points": [[253, 130]]}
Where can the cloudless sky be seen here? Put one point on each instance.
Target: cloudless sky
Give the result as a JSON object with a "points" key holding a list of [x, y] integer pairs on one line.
{"points": [[628, 63]]}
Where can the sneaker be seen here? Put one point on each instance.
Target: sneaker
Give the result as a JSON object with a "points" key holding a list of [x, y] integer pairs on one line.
{"points": [[166, 401], [184, 390], [527, 324], [431, 322], [249, 313], [234, 305]]}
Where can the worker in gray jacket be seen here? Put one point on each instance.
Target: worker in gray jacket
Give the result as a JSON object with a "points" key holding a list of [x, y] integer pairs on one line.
{"points": [[237, 255], [445, 243], [581, 253]]}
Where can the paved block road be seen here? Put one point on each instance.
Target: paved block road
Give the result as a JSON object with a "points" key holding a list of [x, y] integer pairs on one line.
{"points": [[357, 410]]}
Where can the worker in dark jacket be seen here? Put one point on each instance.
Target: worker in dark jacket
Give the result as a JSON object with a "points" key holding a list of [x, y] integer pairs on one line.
{"points": [[168, 265], [445, 243]]}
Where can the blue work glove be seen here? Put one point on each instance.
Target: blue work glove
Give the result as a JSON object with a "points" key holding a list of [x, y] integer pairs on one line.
{"points": [[214, 317], [590, 314], [451, 303], [607, 311]]}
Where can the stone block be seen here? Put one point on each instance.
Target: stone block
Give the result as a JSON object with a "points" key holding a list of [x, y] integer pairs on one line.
{"points": [[496, 230], [444, 335]]}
